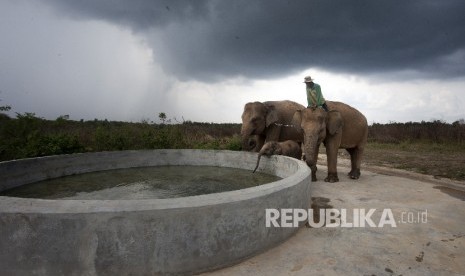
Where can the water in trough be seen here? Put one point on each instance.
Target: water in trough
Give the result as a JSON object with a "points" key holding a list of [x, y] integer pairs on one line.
{"points": [[143, 183]]}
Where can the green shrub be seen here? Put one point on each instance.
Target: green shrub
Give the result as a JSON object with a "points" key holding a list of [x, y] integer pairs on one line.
{"points": [[234, 143], [38, 145], [29, 136]]}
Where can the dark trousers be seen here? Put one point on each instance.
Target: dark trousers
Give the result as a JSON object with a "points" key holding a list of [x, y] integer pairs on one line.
{"points": [[325, 107]]}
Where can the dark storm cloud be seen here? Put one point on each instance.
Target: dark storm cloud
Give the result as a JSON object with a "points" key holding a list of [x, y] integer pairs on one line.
{"points": [[138, 14], [212, 39]]}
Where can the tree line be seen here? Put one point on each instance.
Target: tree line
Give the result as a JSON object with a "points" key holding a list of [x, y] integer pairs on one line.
{"points": [[30, 136], [433, 132]]}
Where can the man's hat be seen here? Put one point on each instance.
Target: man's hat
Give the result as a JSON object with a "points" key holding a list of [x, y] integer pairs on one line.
{"points": [[308, 79]]}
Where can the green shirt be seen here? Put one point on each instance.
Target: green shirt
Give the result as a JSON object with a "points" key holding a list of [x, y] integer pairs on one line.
{"points": [[314, 96]]}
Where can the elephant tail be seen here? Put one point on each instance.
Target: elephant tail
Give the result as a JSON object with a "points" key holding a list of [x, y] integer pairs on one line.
{"points": [[258, 162]]}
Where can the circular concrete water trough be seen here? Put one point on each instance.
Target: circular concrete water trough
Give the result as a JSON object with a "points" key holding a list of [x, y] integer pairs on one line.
{"points": [[142, 237]]}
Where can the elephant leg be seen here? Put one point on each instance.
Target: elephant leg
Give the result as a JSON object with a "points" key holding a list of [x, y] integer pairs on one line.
{"points": [[355, 160], [352, 153], [315, 158], [303, 152], [314, 169], [331, 154]]}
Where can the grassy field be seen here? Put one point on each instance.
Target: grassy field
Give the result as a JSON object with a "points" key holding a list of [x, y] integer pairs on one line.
{"points": [[440, 160], [433, 148]]}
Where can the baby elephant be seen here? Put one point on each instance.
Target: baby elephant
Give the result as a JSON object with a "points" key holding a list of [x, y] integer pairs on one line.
{"points": [[288, 148]]}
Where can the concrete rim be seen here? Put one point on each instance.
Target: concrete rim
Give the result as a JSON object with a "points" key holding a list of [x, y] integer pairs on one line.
{"points": [[31, 205], [144, 237]]}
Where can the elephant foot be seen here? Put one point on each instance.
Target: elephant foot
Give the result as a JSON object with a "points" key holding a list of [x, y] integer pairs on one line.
{"points": [[314, 177], [332, 177], [354, 174]]}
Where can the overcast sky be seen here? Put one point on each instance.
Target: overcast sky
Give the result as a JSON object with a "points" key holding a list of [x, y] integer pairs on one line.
{"points": [[202, 60]]}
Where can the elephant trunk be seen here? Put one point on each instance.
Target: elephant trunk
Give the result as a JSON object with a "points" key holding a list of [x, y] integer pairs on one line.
{"points": [[247, 142], [310, 159], [258, 162], [311, 147], [253, 143]]}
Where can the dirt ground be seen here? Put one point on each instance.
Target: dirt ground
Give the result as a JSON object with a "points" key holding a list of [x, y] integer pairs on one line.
{"points": [[409, 181], [416, 158], [428, 238]]}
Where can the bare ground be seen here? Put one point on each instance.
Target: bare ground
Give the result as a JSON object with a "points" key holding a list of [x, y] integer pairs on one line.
{"points": [[438, 162], [434, 246]]}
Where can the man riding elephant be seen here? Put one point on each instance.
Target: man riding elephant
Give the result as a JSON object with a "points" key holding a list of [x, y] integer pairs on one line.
{"points": [[314, 96]]}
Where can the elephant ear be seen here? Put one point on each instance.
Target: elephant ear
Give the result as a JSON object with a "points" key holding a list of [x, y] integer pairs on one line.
{"points": [[334, 122], [271, 115], [297, 119]]}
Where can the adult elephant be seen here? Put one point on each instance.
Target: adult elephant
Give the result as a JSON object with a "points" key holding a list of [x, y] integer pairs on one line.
{"points": [[342, 127], [268, 121]]}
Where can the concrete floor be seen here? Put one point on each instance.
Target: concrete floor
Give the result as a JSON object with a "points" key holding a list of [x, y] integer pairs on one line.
{"points": [[436, 247]]}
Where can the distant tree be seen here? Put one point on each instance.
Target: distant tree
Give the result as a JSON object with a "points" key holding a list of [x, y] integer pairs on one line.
{"points": [[5, 107], [63, 118], [162, 117], [144, 121], [459, 122], [27, 116]]}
